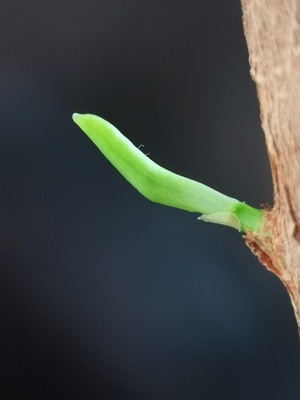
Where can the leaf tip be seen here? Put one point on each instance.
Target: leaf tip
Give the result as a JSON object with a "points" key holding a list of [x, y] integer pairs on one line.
{"points": [[76, 117]]}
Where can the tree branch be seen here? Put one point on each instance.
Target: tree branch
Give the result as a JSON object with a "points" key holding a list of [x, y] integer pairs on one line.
{"points": [[272, 30]]}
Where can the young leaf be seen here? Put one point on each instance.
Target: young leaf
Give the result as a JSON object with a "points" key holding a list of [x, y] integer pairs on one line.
{"points": [[162, 186]]}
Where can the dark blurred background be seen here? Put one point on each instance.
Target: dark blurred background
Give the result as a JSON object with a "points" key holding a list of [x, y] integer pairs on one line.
{"points": [[105, 295]]}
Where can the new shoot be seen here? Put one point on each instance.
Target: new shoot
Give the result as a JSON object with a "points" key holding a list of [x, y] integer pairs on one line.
{"points": [[163, 186]]}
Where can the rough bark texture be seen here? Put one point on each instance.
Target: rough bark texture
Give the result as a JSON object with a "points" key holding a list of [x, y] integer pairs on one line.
{"points": [[272, 30]]}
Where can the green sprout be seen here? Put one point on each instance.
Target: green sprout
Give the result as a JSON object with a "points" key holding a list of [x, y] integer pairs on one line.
{"points": [[165, 187]]}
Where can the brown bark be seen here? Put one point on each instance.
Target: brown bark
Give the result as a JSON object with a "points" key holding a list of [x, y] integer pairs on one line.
{"points": [[272, 30]]}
